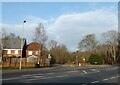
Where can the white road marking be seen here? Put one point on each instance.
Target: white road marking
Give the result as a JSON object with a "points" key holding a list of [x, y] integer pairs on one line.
{"points": [[84, 71], [95, 70], [47, 77], [50, 73], [95, 82], [112, 77], [32, 79], [63, 76], [11, 78], [72, 71], [38, 76], [104, 79], [117, 76], [30, 75]]}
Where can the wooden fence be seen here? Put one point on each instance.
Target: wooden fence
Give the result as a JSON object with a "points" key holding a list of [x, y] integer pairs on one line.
{"points": [[15, 62]]}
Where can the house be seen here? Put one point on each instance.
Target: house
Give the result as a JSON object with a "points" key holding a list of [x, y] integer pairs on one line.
{"points": [[12, 48], [33, 54], [33, 51]]}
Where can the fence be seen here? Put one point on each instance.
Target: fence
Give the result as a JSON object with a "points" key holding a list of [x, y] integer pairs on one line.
{"points": [[26, 62]]}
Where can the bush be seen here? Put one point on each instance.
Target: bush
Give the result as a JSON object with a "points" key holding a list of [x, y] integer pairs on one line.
{"points": [[95, 59], [52, 60]]}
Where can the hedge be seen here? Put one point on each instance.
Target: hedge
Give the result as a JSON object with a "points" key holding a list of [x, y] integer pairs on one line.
{"points": [[96, 59]]}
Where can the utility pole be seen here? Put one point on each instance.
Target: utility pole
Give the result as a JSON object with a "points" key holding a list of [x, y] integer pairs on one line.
{"points": [[22, 41]]}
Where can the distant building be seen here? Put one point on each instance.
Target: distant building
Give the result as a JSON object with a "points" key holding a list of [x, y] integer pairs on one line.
{"points": [[12, 47]]}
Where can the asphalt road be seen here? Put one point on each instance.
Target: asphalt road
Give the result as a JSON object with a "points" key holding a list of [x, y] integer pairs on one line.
{"points": [[84, 75]]}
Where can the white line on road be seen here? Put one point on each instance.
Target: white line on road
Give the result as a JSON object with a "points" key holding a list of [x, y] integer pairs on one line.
{"points": [[38, 76], [47, 77], [62, 76], [50, 73], [31, 75], [117, 76], [72, 71], [11, 78], [32, 79], [95, 82], [104, 79], [112, 77], [84, 71]]}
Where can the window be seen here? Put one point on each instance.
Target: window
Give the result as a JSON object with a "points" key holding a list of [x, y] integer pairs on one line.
{"points": [[29, 52], [9, 52], [16, 51], [36, 52]]}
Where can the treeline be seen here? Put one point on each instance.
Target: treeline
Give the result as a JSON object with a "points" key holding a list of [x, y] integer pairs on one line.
{"points": [[106, 48]]}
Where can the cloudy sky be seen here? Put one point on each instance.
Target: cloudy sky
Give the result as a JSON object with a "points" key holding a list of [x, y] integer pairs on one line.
{"points": [[65, 22]]}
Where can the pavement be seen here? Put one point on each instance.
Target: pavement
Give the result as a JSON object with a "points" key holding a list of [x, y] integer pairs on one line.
{"points": [[65, 74]]}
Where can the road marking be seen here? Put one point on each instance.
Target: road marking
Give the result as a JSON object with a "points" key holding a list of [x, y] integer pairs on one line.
{"points": [[32, 79], [38, 76], [47, 77], [104, 79], [50, 73], [63, 76], [72, 71], [31, 75], [12, 78], [84, 71], [112, 77], [117, 76], [95, 70], [95, 82]]}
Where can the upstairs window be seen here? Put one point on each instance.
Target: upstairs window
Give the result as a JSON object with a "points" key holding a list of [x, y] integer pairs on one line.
{"points": [[29, 52], [9, 52], [16, 51]]}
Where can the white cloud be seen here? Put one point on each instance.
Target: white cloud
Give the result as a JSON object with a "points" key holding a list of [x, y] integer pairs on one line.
{"points": [[72, 27], [68, 29]]}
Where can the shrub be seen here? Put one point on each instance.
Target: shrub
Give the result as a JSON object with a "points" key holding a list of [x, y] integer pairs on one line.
{"points": [[95, 59], [53, 60]]}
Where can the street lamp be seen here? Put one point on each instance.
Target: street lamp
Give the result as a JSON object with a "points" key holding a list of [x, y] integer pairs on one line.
{"points": [[22, 39]]}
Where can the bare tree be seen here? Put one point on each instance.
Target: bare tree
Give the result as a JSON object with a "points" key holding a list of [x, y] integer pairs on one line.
{"points": [[88, 43], [111, 39], [40, 36], [53, 44]]}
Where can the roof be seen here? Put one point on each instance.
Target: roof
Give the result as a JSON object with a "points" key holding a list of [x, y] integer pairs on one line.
{"points": [[33, 46], [12, 43]]}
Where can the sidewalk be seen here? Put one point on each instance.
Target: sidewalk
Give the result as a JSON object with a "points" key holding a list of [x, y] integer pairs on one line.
{"points": [[32, 69], [55, 67]]}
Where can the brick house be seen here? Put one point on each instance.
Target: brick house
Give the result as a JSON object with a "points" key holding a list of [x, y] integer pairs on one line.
{"points": [[33, 54], [12, 48], [33, 50]]}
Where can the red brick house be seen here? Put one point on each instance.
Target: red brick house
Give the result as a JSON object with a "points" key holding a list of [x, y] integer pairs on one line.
{"points": [[33, 50], [33, 54], [12, 49]]}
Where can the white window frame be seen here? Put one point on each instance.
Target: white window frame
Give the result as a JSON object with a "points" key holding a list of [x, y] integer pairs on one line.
{"points": [[8, 51], [36, 52], [29, 52], [16, 51]]}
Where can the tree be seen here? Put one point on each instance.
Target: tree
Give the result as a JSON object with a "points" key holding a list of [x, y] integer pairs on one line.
{"points": [[40, 37], [53, 44], [110, 38], [88, 43]]}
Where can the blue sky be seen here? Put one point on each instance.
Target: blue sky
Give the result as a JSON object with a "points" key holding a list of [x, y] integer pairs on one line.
{"points": [[65, 22], [15, 12]]}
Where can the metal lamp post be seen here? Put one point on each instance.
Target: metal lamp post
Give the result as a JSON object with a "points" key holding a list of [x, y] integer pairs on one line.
{"points": [[22, 39]]}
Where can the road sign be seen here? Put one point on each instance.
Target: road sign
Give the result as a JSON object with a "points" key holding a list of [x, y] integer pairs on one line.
{"points": [[49, 56]]}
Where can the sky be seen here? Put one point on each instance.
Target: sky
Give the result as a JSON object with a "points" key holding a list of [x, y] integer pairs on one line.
{"points": [[65, 22]]}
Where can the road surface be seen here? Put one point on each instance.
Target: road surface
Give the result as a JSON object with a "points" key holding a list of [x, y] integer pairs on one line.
{"points": [[83, 75]]}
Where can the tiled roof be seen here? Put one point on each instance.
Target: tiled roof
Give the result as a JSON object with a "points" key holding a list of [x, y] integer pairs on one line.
{"points": [[12, 43], [33, 46]]}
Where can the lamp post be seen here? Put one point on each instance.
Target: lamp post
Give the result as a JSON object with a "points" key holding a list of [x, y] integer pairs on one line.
{"points": [[22, 39]]}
